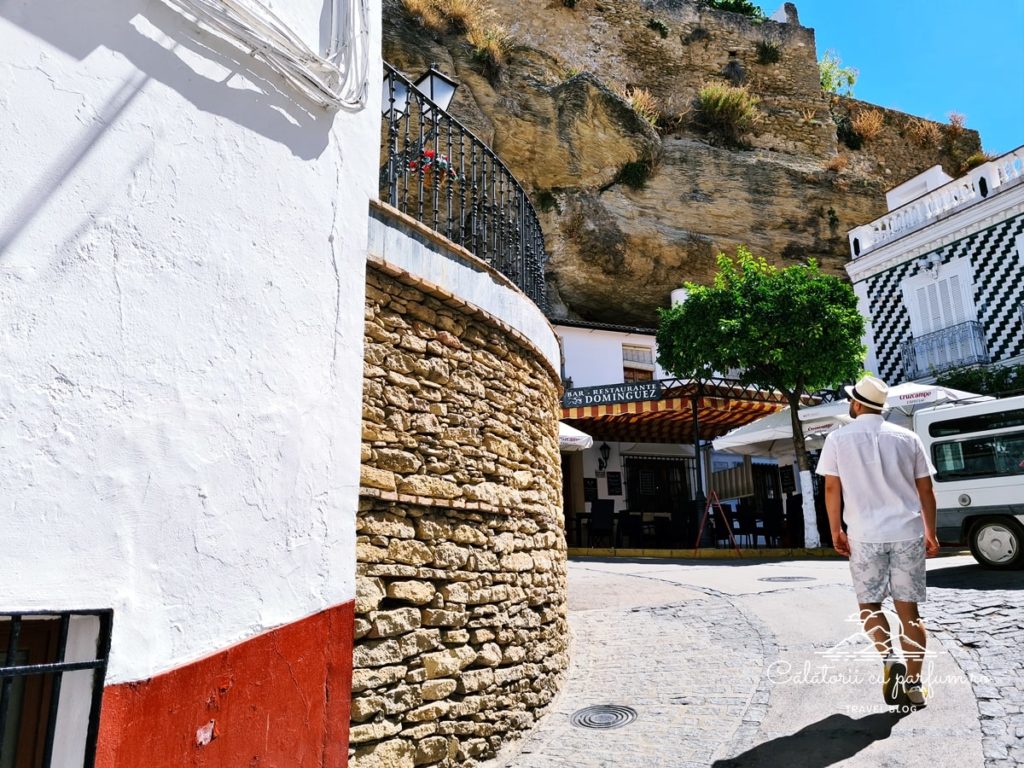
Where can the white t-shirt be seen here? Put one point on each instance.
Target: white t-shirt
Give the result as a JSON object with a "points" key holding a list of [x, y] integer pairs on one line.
{"points": [[877, 464]]}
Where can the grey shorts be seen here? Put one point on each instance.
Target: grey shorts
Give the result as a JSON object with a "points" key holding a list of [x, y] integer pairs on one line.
{"points": [[896, 569]]}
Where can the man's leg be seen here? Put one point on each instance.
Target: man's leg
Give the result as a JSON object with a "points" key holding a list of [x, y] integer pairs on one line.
{"points": [[876, 626], [913, 638]]}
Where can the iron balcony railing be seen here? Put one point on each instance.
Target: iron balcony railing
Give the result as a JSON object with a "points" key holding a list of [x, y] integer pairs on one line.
{"points": [[438, 172], [939, 351]]}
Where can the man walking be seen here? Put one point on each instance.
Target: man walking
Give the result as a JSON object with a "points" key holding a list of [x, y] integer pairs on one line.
{"points": [[878, 480]]}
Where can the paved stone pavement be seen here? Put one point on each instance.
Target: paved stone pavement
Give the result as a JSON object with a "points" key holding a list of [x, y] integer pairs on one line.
{"points": [[725, 669], [979, 616]]}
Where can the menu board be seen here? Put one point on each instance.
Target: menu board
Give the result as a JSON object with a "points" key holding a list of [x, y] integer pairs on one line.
{"points": [[590, 489], [614, 483]]}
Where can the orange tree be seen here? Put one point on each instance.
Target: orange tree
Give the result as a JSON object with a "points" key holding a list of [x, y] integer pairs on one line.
{"points": [[794, 330]]}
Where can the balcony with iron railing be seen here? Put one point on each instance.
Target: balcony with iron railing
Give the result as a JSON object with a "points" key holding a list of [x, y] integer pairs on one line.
{"points": [[954, 347], [981, 183], [436, 171]]}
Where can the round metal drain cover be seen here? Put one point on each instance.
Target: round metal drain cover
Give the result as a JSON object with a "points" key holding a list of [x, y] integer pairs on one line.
{"points": [[787, 578], [603, 716]]}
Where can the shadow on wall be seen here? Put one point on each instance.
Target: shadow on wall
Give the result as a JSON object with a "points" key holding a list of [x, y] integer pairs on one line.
{"points": [[120, 25], [819, 744], [127, 27]]}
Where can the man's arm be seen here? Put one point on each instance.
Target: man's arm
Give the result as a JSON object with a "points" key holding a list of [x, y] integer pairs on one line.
{"points": [[926, 493], [834, 506]]}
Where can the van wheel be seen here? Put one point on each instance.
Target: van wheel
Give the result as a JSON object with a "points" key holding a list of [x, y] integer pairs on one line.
{"points": [[997, 542]]}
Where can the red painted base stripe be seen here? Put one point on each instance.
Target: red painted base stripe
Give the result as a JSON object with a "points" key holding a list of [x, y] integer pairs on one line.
{"points": [[278, 700]]}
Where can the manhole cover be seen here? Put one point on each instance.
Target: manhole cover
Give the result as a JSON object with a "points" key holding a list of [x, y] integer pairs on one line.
{"points": [[603, 716], [787, 578]]}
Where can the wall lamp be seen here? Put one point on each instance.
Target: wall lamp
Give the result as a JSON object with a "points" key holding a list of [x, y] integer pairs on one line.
{"points": [[605, 451]]}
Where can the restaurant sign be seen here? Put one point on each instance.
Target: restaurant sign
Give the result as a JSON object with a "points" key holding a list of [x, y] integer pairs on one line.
{"points": [[633, 392]]}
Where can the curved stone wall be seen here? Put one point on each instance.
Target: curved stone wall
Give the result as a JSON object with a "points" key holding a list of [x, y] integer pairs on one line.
{"points": [[461, 593]]}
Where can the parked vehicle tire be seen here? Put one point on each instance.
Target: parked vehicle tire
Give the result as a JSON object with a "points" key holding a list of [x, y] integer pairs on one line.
{"points": [[997, 542]]}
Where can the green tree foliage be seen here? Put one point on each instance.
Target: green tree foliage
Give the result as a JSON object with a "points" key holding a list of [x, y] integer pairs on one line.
{"points": [[794, 330], [991, 380], [834, 76], [744, 7]]}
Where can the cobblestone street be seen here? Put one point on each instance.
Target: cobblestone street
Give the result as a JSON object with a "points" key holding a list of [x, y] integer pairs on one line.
{"points": [[756, 663]]}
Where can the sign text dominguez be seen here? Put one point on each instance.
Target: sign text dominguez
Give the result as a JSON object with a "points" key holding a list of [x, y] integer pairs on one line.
{"points": [[632, 392]]}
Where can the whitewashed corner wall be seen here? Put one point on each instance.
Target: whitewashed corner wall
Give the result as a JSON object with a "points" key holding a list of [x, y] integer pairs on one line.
{"points": [[182, 256]]}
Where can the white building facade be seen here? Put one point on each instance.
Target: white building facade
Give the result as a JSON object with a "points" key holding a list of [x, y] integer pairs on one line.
{"points": [[183, 226], [940, 277]]}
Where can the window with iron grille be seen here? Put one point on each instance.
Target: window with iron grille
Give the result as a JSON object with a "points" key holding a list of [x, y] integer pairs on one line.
{"points": [[52, 666]]}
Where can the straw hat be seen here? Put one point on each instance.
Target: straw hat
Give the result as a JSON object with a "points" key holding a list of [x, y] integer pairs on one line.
{"points": [[870, 391]]}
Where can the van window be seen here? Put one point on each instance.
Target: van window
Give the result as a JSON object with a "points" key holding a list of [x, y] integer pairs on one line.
{"points": [[981, 422], [992, 456]]}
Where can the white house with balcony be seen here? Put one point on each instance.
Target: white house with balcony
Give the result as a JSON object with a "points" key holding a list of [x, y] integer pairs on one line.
{"points": [[940, 277]]}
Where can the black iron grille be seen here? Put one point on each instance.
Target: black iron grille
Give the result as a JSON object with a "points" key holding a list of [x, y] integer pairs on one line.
{"points": [[32, 656]]}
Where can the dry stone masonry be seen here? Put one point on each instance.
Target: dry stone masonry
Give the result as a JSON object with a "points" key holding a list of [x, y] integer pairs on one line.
{"points": [[461, 579]]}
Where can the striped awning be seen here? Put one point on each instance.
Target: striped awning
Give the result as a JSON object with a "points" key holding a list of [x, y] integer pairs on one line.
{"points": [[670, 419]]}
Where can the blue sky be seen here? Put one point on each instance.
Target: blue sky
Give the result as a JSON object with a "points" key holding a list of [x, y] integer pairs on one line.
{"points": [[931, 57]]}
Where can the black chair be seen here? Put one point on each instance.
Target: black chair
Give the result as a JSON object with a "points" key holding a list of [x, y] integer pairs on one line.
{"points": [[602, 520], [772, 521]]}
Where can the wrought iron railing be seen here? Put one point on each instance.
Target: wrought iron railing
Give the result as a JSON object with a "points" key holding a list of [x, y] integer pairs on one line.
{"points": [[438, 172], [939, 351]]}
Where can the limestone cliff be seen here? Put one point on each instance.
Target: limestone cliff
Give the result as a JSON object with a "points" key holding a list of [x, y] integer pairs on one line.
{"points": [[630, 211]]}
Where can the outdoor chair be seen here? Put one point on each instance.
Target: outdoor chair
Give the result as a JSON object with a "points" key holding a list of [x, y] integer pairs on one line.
{"points": [[602, 521]]}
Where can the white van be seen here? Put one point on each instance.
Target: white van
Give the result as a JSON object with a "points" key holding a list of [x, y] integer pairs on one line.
{"points": [[978, 452]]}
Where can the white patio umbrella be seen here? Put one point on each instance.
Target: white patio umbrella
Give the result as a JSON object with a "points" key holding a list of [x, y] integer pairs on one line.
{"points": [[571, 439], [904, 399], [773, 434]]}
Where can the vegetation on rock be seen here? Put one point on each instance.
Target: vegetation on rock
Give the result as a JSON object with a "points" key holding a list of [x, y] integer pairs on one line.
{"points": [[744, 7], [769, 52], [868, 123], [726, 112], [835, 78]]}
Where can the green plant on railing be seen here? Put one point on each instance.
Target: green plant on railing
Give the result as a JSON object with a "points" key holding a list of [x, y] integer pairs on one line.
{"points": [[658, 26], [769, 52], [990, 380], [726, 112], [834, 76], [743, 7]]}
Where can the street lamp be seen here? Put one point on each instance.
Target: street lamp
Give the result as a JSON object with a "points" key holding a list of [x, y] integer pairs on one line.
{"points": [[437, 87], [605, 451], [434, 84]]}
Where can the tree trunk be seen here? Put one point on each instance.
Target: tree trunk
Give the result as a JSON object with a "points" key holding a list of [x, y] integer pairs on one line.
{"points": [[811, 539]]}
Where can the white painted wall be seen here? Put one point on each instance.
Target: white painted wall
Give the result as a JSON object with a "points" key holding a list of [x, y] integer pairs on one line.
{"points": [[182, 249], [594, 357]]}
